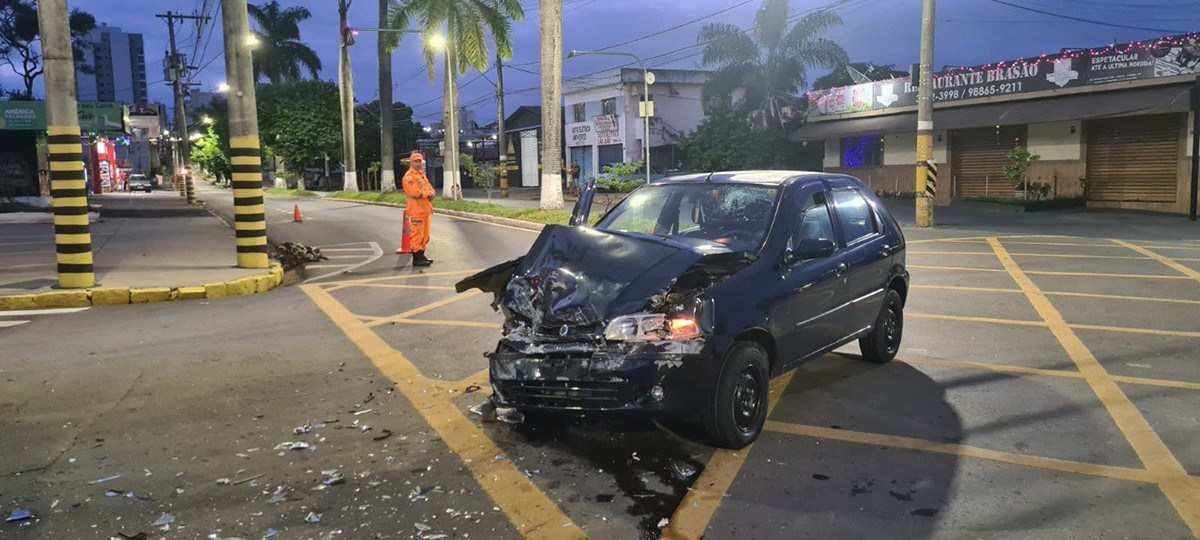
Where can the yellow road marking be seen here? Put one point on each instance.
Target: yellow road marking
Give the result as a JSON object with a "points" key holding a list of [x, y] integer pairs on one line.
{"points": [[696, 510], [1050, 255], [1023, 322], [393, 286], [442, 322], [409, 276], [962, 450], [1172, 478], [1059, 293], [1128, 330], [982, 238], [955, 268], [1039, 372], [530, 511], [425, 308], [1048, 273], [1165, 260]]}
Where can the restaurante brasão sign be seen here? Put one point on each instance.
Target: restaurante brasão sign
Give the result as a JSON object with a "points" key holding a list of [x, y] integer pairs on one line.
{"points": [[1166, 57]]}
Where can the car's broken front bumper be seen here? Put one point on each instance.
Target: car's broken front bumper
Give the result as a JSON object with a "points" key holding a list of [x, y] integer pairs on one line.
{"points": [[662, 376]]}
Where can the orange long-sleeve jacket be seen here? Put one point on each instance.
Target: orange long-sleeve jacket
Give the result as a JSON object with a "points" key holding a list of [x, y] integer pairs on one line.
{"points": [[419, 193]]}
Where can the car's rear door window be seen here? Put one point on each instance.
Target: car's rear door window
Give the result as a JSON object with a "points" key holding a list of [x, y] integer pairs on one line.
{"points": [[815, 223], [854, 214]]}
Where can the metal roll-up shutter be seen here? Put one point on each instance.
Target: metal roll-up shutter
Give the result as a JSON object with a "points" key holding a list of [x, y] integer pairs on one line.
{"points": [[978, 157], [1133, 159]]}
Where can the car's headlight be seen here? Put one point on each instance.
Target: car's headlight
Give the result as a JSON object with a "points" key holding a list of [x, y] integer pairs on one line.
{"points": [[651, 327]]}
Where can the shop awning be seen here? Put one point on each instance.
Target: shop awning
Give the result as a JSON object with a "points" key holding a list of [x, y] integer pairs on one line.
{"points": [[1162, 99]]}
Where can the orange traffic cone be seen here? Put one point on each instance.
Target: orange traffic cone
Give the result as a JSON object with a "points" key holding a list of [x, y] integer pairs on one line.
{"points": [[405, 237], [296, 215]]}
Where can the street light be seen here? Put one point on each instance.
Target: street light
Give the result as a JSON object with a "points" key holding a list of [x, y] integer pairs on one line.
{"points": [[647, 112], [207, 119], [194, 136], [251, 41], [223, 87], [437, 42]]}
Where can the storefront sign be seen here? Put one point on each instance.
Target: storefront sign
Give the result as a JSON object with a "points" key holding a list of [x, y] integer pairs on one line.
{"points": [[98, 117], [22, 115], [581, 134], [607, 129], [1172, 56]]}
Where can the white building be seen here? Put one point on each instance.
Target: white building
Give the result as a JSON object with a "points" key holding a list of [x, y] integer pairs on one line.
{"points": [[602, 124], [116, 64]]}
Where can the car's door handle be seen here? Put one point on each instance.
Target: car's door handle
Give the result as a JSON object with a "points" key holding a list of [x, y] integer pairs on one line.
{"points": [[885, 250]]}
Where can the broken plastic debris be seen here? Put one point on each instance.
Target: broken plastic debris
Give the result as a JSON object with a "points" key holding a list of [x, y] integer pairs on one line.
{"points": [[103, 480], [510, 415], [222, 481], [301, 430], [19, 514], [479, 409], [333, 478], [163, 520], [364, 411], [662, 523], [471, 389], [271, 534], [293, 445], [682, 470], [421, 527], [280, 495], [383, 435], [312, 517]]}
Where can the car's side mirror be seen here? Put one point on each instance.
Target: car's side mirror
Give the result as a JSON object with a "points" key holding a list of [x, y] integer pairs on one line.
{"points": [[807, 249]]}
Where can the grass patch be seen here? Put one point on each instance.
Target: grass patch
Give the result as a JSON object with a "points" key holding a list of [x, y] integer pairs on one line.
{"points": [[281, 192], [559, 217]]}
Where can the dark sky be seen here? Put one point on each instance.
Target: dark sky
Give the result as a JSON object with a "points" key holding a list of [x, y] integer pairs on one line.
{"points": [[969, 32]]}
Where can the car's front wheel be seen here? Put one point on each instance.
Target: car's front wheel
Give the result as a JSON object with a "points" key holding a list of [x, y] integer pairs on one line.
{"points": [[882, 344], [739, 408]]}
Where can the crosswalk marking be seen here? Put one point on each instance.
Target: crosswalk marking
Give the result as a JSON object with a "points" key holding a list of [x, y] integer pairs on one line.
{"points": [[9, 324], [30, 312]]}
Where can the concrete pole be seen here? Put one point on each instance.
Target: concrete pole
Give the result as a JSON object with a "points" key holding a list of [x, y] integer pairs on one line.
{"points": [[500, 142], [181, 127], [924, 196], [387, 150], [646, 121], [451, 177], [1195, 188], [346, 92], [245, 155], [72, 237], [550, 21]]}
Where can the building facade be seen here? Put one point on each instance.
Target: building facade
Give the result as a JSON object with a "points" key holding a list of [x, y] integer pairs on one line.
{"points": [[603, 125], [113, 68], [1110, 126]]}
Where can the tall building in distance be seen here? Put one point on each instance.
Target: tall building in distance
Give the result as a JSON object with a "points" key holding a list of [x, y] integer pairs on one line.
{"points": [[114, 67]]}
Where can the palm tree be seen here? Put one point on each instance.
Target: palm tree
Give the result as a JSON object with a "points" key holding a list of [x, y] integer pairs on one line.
{"points": [[281, 55], [768, 63], [460, 27]]}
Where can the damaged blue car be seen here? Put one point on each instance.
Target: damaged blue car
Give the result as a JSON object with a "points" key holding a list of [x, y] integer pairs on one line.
{"points": [[690, 294]]}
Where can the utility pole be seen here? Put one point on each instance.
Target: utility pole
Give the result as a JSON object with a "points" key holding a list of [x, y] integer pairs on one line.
{"points": [[387, 157], [346, 92], [245, 156], [500, 148], [177, 72], [926, 175], [1195, 149], [72, 237], [550, 21], [451, 175]]}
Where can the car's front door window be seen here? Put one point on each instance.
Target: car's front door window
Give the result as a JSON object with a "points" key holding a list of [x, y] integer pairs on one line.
{"points": [[815, 223]]}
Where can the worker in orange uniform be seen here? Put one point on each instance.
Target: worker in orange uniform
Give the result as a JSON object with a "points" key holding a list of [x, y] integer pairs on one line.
{"points": [[419, 193]]}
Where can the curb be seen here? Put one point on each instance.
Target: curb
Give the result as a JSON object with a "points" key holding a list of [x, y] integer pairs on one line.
{"points": [[486, 218], [110, 296]]}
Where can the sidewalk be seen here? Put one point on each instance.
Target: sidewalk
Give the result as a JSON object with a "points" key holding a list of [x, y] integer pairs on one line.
{"points": [[141, 240]]}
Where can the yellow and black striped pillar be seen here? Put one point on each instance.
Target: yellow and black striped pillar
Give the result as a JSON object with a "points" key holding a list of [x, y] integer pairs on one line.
{"points": [[190, 189], [249, 213], [72, 238]]}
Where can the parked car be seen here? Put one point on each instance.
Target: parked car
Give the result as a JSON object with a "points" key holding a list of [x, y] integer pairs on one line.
{"points": [[139, 182], [692, 293]]}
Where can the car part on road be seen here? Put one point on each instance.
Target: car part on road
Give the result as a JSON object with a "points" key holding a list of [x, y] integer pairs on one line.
{"points": [[292, 255], [19, 514]]}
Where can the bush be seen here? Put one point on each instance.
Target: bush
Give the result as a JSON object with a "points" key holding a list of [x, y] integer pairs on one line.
{"points": [[621, 177]]}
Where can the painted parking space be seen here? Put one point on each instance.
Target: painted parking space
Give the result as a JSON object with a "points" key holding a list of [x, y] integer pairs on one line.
{"points": [[1035, 393]]}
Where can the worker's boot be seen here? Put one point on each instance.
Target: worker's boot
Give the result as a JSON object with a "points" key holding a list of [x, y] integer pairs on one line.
{"points": [[420, 260]]}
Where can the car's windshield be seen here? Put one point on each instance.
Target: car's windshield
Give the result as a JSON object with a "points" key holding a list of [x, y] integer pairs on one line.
{"points": [[734, 215]]}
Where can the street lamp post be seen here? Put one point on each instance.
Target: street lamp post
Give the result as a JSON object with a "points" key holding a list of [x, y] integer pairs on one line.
{"points": [[646, 110]]}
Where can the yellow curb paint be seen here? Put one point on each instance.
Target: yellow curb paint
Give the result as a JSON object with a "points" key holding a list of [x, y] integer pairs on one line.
{"points": [[530, 511], [20, 301], [961, 450], [264, 283], [110, 296], [149, 295], [240, 287], [58, 299], [192, 293], [214, 291], [1173, 480]]}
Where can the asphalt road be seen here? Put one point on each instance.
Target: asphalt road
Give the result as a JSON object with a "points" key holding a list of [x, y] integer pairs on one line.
{"points": [[1048, 387]]}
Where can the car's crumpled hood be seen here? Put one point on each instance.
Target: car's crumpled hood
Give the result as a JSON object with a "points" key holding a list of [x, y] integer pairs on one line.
{"points": [[579, 276]]}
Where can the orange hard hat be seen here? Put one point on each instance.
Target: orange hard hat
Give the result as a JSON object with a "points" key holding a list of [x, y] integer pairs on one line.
{"points": [[416, 156]]}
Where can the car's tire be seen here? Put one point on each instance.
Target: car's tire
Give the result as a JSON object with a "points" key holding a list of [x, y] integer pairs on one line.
{"points": [[881, 345], [738, 409]]}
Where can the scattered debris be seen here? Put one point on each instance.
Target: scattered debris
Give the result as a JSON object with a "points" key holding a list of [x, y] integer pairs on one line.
{"points": [[301, 430], [421, 527], [682, 470], [472, 388], [925, 512], [384, 435], [861, 486], [103, 480], [271, 534], [291, 255], [604, 497], [241, 481], [333, 478], [480, 408], [510, 415], [222, 481], [312, 517], [820, 477], [293, 445], [113, 493], [906, 495], [19, 514], [134, 536], [280, 495], [662, 523], [54, 504], [364, 411], [164, 520]]}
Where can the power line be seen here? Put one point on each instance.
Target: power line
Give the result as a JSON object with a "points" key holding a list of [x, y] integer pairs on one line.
{"points": [[1088, 21]]}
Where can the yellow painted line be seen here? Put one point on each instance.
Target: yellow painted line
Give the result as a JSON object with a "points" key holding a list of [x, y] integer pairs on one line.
{"points": [[988, 253], [1038, 372], [390, 286], [1049, 255], [962, 450], [426, 308], [1164, 260], [982, 238], [409, 276], [1129, 330], [1182, 385], [964, 318], [955, 268], [696, 510], [529, 510], [1172, 478], [444, 322], [964, 289], [1060, 293], [1047, 273]]}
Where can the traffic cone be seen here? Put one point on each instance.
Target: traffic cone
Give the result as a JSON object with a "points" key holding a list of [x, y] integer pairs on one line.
{"points": [[405, 237], [296, 215]]}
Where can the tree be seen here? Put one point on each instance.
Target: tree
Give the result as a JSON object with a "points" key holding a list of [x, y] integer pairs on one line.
{"points": [[300, 121], [463, 24], [841, 76], [725, 141], [368, 143], [19, 31], [769, 64], [209, 155], [281, 55]]}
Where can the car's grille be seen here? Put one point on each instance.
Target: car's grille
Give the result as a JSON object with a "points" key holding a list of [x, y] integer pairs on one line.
{"points": [[567, 394]]}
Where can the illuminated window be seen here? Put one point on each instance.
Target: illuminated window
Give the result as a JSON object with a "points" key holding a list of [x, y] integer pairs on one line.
{"points": [[862, 151]]}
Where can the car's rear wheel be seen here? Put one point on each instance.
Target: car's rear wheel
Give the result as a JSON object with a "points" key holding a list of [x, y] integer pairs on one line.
{"points": [[882, 344], [739, 408]]}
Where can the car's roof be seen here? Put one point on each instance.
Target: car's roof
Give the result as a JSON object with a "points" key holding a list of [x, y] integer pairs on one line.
{"points": [[750, 177]]}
